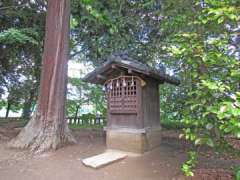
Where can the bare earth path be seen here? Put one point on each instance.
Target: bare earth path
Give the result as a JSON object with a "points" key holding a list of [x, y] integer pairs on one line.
{"points": [[65, 164]]}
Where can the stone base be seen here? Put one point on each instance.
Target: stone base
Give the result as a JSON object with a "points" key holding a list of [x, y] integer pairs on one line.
{"points": [[132, 140]]}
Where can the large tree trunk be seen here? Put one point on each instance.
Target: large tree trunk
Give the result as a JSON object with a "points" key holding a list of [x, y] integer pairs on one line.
{"points": [[48, 128]]}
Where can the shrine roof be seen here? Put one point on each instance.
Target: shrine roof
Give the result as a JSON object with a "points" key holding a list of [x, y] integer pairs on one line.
{"points": [[101, 74]]}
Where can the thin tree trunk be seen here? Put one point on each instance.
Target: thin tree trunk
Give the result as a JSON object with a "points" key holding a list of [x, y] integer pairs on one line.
{"points": [[8, 109], [27, 107], [48, 128], [76, 112]]}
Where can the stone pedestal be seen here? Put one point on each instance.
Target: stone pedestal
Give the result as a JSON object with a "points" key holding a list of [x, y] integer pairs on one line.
{"points": [[133, 140]]}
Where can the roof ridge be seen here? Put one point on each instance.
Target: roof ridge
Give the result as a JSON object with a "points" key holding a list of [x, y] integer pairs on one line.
{"points": [[125, 61]]}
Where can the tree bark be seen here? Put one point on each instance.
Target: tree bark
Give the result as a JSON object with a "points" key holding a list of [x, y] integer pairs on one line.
{"points": [[48, 128]]}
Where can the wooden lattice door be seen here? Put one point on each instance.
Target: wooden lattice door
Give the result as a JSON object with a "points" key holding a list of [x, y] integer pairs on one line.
{"points": [[122, 95]]}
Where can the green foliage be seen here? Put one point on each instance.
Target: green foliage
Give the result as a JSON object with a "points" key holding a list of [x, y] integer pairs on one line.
{"points": [[19, 36], [81, 93], [197, 43], [88, 116], [112, 26], [21, 42], [173, 124], [188, 166], [211, 96], [237, 173], [3, 104], [171, 100]]}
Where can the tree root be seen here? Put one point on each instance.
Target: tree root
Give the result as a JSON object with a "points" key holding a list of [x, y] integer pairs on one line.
{"points": [[40, 138]]}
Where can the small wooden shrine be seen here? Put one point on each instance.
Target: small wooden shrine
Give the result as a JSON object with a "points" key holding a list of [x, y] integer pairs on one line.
{"points": [[132, 91]]}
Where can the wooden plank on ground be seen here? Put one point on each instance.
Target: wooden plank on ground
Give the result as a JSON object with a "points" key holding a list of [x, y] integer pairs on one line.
{"points": [[103, 159]]}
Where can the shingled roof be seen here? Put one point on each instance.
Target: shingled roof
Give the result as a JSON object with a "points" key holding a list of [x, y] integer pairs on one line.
{"points": [[126, 62]]}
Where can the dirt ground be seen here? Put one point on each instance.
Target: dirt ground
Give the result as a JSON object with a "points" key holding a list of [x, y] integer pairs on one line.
{"points": [[162, 163]]}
